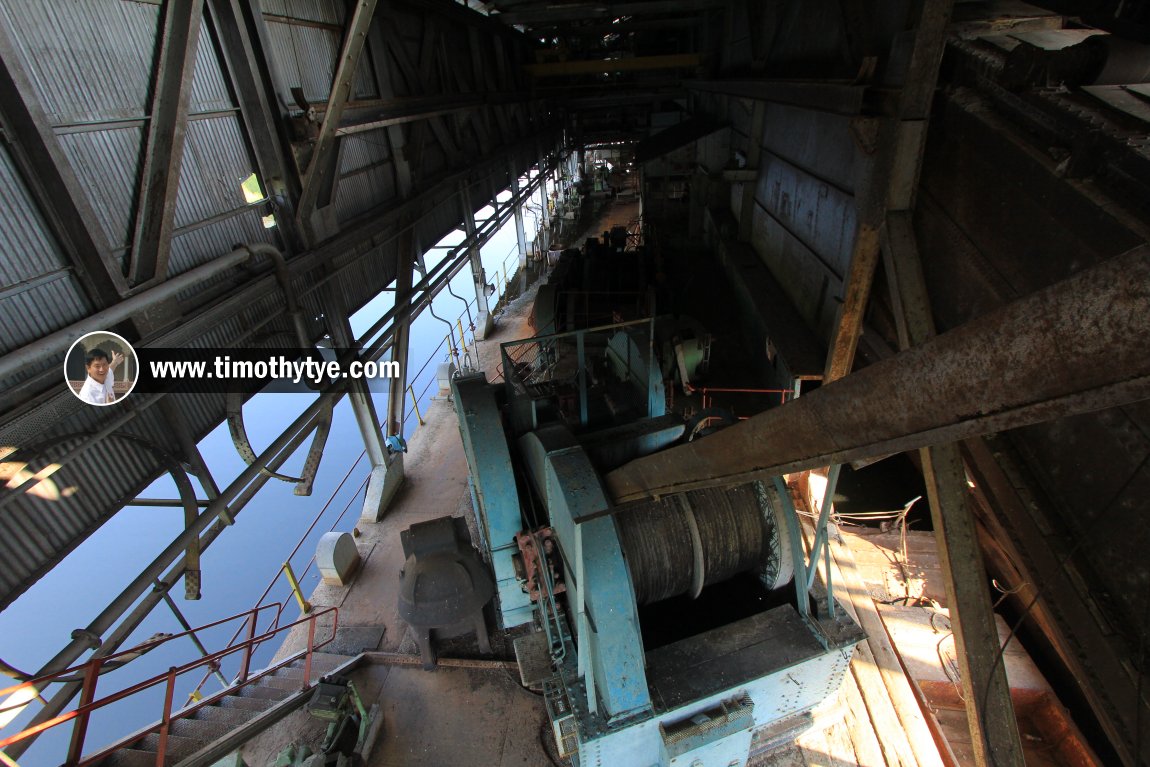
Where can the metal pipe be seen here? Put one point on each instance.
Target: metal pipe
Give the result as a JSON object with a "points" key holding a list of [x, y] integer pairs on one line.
{"points": [[450, 330], [55, 343], [1074, 347], [283, 278], [466, 306]]}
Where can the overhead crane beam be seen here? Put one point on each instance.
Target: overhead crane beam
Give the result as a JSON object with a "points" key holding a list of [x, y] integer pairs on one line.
{"points": [[1075, 347]]}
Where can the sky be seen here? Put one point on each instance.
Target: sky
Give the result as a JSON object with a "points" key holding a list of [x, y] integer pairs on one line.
{"points": [[240, 564]]}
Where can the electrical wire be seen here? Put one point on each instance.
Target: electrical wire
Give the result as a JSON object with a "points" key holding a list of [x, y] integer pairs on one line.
{"points": [[1000, 655]]}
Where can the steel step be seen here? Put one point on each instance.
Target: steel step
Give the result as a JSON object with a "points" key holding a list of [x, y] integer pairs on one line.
{"points": [[130, 757], [249, 704], [262, 691], [204, 729], [229, 716]]}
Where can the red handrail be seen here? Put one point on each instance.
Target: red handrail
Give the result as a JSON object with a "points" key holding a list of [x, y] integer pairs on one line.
{"points": [[91, 672], [784, 394]]}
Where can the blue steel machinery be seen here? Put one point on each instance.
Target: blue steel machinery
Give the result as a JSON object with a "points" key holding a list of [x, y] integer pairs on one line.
{"points": [[575, 572]]}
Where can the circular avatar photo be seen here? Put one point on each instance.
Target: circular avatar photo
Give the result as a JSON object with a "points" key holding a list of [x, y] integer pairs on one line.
{"points": [[101, 368]]}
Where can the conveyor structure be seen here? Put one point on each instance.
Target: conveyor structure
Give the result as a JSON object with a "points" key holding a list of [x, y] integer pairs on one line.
{"points": [[582, 580]]}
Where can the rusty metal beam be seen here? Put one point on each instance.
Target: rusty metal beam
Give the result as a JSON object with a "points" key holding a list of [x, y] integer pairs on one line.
{"points": [[554, 13], [835, 97], [237, 26], [608, 66], [396, 141], [890, 180], [164, 151], [1074, 347], [985, 691], [320, 176], [401, 339]]}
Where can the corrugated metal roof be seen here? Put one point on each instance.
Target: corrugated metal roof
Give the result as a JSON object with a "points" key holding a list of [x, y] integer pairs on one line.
{"points": [[31, 309], [209, 88], [91, 61], [107, 165], [215, 163], [357, 191], [323, 11], [306, 57], [362, 149]]}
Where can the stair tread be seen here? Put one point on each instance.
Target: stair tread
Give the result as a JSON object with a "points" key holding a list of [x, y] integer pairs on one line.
{"points": [[244, 703], [130, 757], [204, 729], [179, 746], [262, 691], [218, 713]]}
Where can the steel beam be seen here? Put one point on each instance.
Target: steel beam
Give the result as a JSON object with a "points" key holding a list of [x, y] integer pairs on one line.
{"points": [[164, 150], [1074, 347], [235, 25], [396, 142], [482, 312], [608, 66], [321, 170], [51, 182], [411, 109], [889, 180], [553, 13], [985, 690], [754, 157], [839, 98], [361, 402], [401, 335], [520, 235]]}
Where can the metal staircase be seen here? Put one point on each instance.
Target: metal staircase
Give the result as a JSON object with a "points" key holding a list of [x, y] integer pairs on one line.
{"points": [[212, 728], [216, 730]]}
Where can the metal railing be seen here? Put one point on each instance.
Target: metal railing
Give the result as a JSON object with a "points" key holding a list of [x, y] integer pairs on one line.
{"points": [[708, 391], [90, 673]]}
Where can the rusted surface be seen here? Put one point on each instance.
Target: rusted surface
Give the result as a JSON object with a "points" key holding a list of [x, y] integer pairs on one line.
{"points": [[1075, 347]]}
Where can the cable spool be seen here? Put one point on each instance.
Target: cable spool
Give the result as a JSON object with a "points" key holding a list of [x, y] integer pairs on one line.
{"points": [[682, 543]]}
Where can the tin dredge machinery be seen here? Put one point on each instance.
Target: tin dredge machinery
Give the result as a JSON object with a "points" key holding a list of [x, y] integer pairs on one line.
{"points": [[640, 626]]}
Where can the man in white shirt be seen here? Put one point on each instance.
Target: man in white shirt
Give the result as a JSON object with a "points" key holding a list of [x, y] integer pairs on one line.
{"points": [[98, 389]]}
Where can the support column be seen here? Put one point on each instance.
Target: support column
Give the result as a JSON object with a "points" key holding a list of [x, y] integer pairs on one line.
{"points": [[985, 689], [754, 157], [401, 337], [484, 323], [386, 469], [544, 216], [520, 237]]}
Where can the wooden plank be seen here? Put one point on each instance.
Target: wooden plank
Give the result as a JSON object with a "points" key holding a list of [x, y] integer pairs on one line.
{"points": [[868, 750], [913, 724], [898, 720]]}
